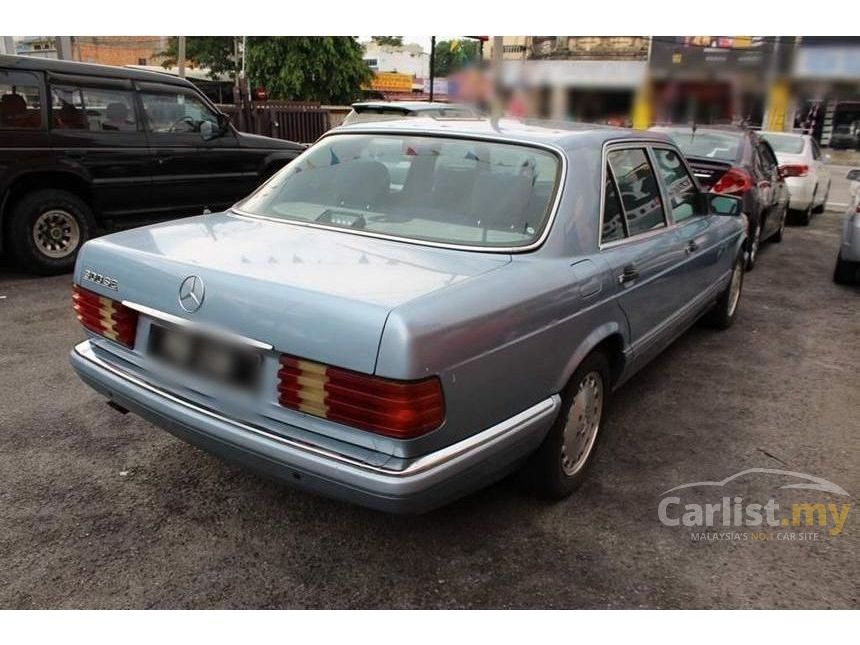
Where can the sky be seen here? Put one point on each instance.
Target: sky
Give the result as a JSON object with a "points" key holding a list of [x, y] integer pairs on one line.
{"points": [[424, 41]]}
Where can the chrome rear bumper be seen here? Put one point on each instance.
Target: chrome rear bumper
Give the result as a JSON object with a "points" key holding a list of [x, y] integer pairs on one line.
{"points": [[421, 484]]}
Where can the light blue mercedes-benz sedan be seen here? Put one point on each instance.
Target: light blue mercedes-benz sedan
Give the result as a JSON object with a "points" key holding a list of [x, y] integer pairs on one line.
{"points": [[412, 309]]}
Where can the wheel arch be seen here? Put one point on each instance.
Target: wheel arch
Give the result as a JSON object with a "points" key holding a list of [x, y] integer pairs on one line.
{"points": [[609, 339]]}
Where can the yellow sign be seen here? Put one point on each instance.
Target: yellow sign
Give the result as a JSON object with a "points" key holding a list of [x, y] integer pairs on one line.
{"points": [[391, 82]]}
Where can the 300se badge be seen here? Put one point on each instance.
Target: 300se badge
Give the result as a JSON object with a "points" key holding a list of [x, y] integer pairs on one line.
{"points": [[103, 280]]}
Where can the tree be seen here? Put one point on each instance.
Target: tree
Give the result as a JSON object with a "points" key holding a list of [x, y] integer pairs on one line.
{"points": [[453, 55], [213, 52], [325, 69], [396, 41]]}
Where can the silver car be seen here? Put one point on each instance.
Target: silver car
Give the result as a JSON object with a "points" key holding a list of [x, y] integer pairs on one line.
{"points": [[401, 343], [847, 269]]}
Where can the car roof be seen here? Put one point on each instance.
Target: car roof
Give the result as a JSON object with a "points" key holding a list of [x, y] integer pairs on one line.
{"points": [[726, 129], [31, 63], [414, 106], [562, 134]]}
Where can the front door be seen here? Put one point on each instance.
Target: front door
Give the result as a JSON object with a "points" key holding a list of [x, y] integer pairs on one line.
{"points": [[190, 173]]}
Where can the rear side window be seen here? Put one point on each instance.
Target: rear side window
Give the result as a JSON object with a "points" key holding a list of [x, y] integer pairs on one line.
{"points": [[20, 101], [613, 214], [640, 195], [93, 109]]}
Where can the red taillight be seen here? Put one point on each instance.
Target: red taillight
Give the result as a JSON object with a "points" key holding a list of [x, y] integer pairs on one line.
{"points": [[104, 316], [733, 181], [400, 409], [794, 170]]}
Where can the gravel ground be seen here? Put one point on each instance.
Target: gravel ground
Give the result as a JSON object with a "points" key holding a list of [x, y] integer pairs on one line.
{"points": [[101, 510]]}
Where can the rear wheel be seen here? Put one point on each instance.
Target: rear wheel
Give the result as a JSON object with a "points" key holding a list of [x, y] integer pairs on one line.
{"points": [[753, 246], [823, 205], [47, 229], [722, 315], [559, 466]]}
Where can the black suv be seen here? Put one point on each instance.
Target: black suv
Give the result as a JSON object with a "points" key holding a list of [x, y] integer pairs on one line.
{"points": [[88, 147]]}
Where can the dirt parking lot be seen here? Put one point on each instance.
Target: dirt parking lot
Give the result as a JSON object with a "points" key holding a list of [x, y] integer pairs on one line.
{"points": [[103, 510]]}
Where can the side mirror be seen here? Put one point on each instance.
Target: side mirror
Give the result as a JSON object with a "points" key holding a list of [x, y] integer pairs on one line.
{"points": [[725, 205], [209, 130], [854, 174]]}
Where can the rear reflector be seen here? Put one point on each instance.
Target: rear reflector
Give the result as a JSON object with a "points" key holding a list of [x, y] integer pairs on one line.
{"points": [[734, 181], [794, 170], [104, 316], [399, 409]]}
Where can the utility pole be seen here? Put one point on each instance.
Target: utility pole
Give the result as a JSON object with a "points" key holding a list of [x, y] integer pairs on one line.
{"points": [[432, 64], [497, 53], [180, 56], [64, 47], [7, 45]]}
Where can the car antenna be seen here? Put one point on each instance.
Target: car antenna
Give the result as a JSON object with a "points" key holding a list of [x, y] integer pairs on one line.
{"points": [[693, 131]]}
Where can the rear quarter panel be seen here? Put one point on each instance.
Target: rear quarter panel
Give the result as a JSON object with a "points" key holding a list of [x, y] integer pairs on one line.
{"points": [[501, 342]]}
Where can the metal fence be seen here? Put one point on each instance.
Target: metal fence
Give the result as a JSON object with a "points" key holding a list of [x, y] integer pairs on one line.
{"points": [[301, 122]]}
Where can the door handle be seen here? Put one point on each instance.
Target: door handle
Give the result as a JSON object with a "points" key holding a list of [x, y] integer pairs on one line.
{"points": [[692, 247], [628, 274]]}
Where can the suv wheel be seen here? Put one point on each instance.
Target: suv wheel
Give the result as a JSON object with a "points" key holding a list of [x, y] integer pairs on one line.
{"points": [[47, 229], [559, 466]]}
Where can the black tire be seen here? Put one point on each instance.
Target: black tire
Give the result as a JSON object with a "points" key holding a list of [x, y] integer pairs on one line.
{"points": [[753, 246], [820, 209], [802, 218], [51, 210], [777, 237], [545, 470], [845, 272], [722, 314]]}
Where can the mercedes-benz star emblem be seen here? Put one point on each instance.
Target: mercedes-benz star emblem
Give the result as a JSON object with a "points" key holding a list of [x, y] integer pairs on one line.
{"points": [[191, 293]]}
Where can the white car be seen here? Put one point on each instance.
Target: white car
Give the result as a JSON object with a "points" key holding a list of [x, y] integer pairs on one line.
{"points": [[807, 176], [847, 269]]}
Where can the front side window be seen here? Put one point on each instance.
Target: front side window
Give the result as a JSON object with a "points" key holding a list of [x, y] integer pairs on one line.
{"points": [[93, 109], [680, 186], [20, 101], [640, 194], [444, 190], [175, 112]]}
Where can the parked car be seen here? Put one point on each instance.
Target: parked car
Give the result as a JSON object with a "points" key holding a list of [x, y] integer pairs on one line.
{"points": [[367, 111], [736, 161], [844, 137], [801, 163], [85, 147], [400, 346], [847, 269]]}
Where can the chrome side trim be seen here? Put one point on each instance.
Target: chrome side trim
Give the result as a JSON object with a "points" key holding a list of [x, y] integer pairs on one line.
{"points": [[203, 328], [558, 151], [419, 465]]}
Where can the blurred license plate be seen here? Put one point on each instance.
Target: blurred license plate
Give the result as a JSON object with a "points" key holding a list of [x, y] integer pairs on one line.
{"points": [[208, 357]]}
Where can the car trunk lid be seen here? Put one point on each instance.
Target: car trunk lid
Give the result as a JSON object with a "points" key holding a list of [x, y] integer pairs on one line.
{"points": [[318, 294], [708, 171]]}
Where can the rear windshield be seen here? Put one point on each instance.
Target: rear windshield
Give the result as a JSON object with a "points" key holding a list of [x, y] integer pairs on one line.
{"points": [[451, 191], [725, 146], [785, 143]]}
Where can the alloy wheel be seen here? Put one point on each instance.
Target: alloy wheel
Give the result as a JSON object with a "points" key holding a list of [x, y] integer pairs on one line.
{"points": [[583, 422], [56, 233]]}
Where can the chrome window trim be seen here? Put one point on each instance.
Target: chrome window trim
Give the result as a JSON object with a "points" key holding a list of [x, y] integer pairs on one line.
{"points": [[418, 465], [624, 144], [558, 151], [203, 328]]}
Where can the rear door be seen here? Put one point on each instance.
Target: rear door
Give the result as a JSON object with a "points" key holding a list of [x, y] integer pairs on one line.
{"points": [[96, 129], [24, 139], [639, 246], [697, 230], [191, 174]]}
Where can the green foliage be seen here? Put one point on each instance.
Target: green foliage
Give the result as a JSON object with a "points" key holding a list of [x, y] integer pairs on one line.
{"points": [[453, 55], [214, 52], [397, 41], [324, 69]]}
